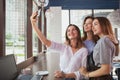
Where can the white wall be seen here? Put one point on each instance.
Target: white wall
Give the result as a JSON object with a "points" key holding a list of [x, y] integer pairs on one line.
{"points": [[54, 24], [54, 33], [53, 59]]}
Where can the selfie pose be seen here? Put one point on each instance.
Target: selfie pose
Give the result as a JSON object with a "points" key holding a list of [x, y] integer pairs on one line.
{"points": [[72, 53]]}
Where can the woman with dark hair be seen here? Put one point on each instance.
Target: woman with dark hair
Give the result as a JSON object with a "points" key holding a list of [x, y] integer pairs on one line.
{"points": [[72, 54], [89, 39], [103, 51]]}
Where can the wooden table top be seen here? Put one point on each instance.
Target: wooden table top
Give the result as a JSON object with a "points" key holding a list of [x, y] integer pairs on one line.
{"points": [[44, 62]]}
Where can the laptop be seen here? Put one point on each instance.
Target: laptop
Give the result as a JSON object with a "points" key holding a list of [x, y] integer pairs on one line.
{"points": [[8, 67], [8, 70]]}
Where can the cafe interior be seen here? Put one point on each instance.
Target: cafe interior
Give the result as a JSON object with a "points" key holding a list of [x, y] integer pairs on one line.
{"points": [[23, 56]]}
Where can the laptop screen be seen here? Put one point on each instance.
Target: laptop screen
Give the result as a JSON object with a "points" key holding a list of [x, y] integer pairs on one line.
{"points": [[8, 68]]}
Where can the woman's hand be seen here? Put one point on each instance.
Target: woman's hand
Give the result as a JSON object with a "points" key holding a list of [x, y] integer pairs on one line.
{"points": [[41, 36], [58, 74], [33, 17], [113, 39], [84, 72]]}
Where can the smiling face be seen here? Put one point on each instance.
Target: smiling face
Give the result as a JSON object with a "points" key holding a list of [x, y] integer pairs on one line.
{"points": [[72, 32], [88, 25], [97, 28]]}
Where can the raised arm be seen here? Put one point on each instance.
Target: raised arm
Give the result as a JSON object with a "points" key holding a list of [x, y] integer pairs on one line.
{"points": [[41, 37]]}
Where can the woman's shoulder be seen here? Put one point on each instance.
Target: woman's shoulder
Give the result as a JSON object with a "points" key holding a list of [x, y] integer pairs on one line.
{"points": [[83, 49], [106, 40], [88, 41]]}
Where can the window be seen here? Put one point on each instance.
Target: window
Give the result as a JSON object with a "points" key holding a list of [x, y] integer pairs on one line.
{"points": [[77, 17], [34, 36], [118, 34], [16, 13], [65, 22], [102, 12], [73, 17]]}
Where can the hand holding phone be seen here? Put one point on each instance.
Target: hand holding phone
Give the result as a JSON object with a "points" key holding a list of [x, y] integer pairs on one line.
{"points": [[35, 15]]}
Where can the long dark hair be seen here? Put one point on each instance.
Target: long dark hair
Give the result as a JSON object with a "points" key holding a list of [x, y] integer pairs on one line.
{"points": [[79, 43], [94, 37]]}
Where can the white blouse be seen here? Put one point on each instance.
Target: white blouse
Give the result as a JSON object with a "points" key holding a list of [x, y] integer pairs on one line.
{"points": [[70, 62]]}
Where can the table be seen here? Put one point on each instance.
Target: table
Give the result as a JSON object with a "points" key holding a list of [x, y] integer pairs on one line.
{"points": [[46, 62]]}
